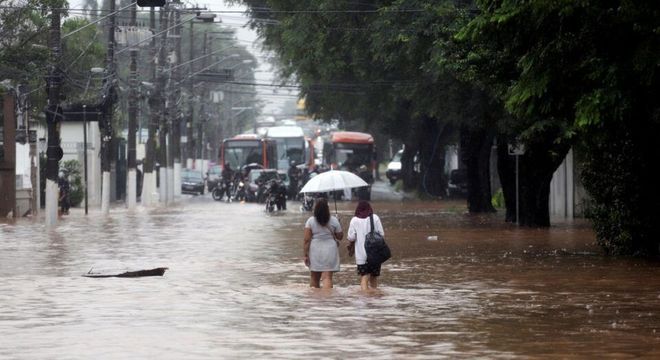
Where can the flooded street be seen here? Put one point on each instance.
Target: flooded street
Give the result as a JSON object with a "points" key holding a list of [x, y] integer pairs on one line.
{"points": [[237, 288]]}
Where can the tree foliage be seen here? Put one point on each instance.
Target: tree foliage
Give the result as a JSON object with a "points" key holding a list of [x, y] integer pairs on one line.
{"points": [[550, 74], [582, 71]]}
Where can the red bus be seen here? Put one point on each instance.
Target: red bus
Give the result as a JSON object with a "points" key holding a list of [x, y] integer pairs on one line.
{"points": [[349, 150], [247, 149]]}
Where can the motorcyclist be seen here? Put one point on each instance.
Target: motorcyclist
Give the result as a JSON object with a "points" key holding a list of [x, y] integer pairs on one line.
{"points": [[227, 177], [278, 192], [238, 186]]}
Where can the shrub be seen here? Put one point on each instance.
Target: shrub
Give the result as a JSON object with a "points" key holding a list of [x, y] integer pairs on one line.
{"points": [[72, 168], [498, 199]]}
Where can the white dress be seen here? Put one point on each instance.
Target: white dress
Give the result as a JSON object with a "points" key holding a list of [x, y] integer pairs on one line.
{"points": [[323, 251]]}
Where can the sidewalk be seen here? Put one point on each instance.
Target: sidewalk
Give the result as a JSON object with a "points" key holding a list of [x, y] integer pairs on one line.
{"points": [[383, 191]]}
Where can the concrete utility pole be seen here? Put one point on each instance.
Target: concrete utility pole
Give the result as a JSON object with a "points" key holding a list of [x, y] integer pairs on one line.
{"points": [[162, 104], [149, 180], [53, 117], [190, 145], [201, 142], [8, 156], [106, 123], [132, 121], [176, 113], [34, 156]]}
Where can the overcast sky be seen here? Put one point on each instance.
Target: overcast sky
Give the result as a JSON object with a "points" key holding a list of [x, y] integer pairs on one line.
{"points": [[248, 37], [233, 17]]}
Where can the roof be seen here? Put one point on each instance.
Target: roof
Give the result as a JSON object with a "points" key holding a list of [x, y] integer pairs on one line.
{"points": [[351, 137], [246, 137], [285, 132]]}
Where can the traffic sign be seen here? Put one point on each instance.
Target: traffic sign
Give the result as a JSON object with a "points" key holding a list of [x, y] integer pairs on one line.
{"points": [[516, 149]]}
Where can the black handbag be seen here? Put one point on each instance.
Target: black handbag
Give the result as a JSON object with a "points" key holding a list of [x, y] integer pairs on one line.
{"points": [[374, 244]]}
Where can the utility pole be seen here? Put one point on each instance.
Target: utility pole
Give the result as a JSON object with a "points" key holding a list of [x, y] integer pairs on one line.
{"points": [[34, 156], [176, 113], [106, 122], [162, 105], [201, 143], [53, 117], [149, 182], [132, 121], [191, 109]]}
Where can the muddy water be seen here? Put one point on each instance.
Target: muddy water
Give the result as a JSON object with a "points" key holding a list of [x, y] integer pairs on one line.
{"points": [[236, 288]]}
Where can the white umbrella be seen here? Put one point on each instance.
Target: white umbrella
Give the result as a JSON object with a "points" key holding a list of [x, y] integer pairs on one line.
{"points": [[333, 180]]}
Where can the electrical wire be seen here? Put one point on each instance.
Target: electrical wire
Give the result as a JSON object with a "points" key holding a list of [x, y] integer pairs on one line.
{"points": [[253, 10]]}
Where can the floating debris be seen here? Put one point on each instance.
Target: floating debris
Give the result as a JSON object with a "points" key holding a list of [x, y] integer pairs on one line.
{"points": [[138, 273]]}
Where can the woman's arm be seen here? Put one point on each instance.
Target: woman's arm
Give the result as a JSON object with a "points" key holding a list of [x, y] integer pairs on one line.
{"points": [[351, 235], [307, 240], [339, 235], [379, 227], [337, 230]]}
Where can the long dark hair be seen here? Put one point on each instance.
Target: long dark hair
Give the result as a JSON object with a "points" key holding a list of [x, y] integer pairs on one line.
{"points": [[322, 211], [363, 209]]}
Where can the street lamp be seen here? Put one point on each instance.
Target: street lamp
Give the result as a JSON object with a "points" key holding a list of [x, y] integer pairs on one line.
{"points": [[205, 17]]}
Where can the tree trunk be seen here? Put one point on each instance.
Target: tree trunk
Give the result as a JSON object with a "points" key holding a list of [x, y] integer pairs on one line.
{"points": [[535, 169], [408, 174], [432, 138], [476, 144]]}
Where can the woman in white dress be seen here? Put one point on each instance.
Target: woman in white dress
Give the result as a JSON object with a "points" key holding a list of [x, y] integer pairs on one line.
{"points": [[322, 235]]}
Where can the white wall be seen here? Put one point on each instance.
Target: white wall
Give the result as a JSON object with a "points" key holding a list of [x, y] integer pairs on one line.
{"points": [[71, 134], [566, 192]]}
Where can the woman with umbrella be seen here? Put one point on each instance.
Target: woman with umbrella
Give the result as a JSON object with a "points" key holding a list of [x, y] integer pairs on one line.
{"points": [[321, 241]]}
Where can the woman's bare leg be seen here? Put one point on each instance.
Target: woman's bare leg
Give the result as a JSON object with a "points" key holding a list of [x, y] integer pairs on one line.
{"points": [[327, 279], [315, 279], [373, 281], [364, 282]]}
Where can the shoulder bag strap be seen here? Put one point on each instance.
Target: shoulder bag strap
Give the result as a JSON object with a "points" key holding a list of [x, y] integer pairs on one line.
{"points": [[371, 219], [331, 232]]}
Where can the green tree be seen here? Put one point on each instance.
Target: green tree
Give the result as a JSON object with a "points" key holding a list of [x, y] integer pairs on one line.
{"points": [[369, 65], [23, 45], [580, 71]]}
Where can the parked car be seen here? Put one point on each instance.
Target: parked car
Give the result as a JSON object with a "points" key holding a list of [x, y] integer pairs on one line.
{"points": [[192, 182], [457, 186], [393, 172], [213, 176]]}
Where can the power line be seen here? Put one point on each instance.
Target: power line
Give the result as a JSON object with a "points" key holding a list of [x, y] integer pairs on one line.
{"points": [[255, 10]]}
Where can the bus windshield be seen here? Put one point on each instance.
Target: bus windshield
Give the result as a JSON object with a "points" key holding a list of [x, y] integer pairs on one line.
{"points": [[351, 156], [241, 152], [290, 149]]}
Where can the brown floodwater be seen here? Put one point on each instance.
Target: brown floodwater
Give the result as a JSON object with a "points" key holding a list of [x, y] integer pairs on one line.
{"points": [[236, 288]]}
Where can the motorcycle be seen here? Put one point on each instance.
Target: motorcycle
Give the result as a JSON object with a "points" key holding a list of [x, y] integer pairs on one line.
{"points": [[275, 196], [239, 191], [307, 203], [219, 191]]}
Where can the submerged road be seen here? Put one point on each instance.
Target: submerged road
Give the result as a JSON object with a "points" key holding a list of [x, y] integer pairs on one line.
{"points": [[236, 288]]}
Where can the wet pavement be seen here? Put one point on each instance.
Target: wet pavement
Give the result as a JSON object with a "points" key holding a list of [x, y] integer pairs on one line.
{"points": [[237, 288]]}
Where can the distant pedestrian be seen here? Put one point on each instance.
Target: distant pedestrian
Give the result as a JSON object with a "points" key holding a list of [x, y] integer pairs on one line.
{"points": [[321, 241], [357, 230]]}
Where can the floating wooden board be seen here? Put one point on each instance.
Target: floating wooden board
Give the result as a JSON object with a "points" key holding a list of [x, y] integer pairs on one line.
{"points": [[138, 273]]}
